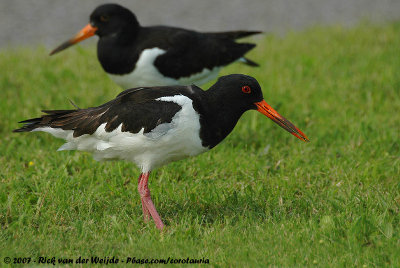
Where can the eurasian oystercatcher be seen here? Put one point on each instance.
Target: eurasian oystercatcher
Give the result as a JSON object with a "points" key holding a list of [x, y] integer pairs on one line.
{"points": [[152, 126], [136, 56]]}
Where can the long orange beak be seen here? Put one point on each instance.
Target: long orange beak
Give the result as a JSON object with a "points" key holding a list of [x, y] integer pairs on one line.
{"points": [[267, 110], [83, 34]]}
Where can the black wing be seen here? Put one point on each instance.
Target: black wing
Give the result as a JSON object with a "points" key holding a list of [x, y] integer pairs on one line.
{"points": [[134, 109], [189, 52]]}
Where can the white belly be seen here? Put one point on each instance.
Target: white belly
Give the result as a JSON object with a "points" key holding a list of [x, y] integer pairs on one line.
{"points": [[167, 142], [145, 74]]}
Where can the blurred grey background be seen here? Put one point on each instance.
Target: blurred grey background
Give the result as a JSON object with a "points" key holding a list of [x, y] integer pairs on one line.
{"points": [[49, 22]]}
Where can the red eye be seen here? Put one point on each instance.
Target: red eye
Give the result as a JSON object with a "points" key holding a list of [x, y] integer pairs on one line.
{"points": [[104, 18], [246, 89]]}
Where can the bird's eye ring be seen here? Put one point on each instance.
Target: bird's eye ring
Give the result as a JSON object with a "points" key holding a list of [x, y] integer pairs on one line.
{"points": [[104, 18], [246, 89]]}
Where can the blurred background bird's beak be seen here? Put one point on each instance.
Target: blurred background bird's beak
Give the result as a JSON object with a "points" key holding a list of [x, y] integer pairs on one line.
{"points": [[83, 34]]}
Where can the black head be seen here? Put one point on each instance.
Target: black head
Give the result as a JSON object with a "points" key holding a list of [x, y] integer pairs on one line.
{"points": [[237, 93], [110, 19], [240, 91]]}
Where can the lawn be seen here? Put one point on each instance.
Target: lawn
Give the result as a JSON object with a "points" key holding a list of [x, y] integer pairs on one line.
{"points": [[262, 197]]}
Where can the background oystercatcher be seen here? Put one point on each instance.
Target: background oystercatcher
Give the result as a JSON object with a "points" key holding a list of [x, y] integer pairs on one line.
{"points": [[136, 56], [152, 126]]}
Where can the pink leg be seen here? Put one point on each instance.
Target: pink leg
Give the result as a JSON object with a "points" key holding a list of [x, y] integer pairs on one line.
{"points": [[146, 213], [146, 200]]}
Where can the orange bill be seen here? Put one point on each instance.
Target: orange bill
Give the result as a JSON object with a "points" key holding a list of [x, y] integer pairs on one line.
{"points": [[83, 34], [268, 111]]}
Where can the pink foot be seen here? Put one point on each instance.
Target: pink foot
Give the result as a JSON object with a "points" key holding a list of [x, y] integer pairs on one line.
{"points": [[147, 203], [146, 213]]}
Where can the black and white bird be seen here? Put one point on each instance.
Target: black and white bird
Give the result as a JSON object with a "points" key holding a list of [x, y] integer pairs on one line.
{"points": [[136, 56], [152, 126]]}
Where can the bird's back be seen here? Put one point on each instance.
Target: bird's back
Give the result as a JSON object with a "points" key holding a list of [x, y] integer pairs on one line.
{"points": [[147, 126]]}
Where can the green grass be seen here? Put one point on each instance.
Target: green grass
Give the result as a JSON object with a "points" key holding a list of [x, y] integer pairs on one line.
{"points": [[262, 197]]}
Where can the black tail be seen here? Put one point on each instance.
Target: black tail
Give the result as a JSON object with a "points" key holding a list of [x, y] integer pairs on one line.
{"points": [[246, 47], [250, 62], [235, 34], [48, 120]]}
